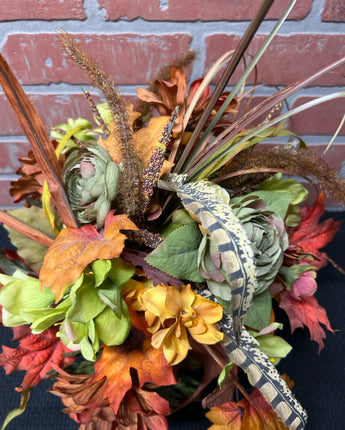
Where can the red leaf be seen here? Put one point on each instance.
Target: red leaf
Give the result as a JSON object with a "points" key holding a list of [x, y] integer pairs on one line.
{"points": [[306, 312], [311, 234], [34, 354]]}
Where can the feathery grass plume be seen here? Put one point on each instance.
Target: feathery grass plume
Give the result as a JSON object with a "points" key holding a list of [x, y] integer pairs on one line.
{"points": [[252, 166], [145, 237], [155, 164], [96, 113], [130, 181]]}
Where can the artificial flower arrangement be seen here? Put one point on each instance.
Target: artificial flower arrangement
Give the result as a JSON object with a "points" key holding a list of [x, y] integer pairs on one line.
{"points": [[155, 244]]}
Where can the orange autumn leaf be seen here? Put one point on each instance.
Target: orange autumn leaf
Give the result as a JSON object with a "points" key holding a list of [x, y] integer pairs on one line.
{"points": [[74, 249], [225, 417], [36, 354], [146, 139], [252, 414], [118, 362], [111, 143]]}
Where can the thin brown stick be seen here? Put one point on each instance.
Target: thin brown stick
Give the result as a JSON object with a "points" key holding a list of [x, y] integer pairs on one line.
{"points": [[235, 59], [38, 137], [25, 229], [252, 171]]}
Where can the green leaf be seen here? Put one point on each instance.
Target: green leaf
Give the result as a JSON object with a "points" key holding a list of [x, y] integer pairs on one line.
{"points": [[21, 294], [276, 201], [100, 270], [80, 128], [105, 113], [86, 306], [259, 313], [30, 250], [111, 329], [87, 349], [121, 271], [297, 192], [24, 399], [72, 332], [110, 294], [177, 255], [224, 373], [275, 347], [44, 318], [179, 218]]}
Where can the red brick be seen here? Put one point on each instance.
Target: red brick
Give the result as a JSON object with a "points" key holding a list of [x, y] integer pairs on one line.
{"points": [[288, 58], [52, 108], [322, 119], [192, 10], [334, 11], [41, 9], [128, 58], [10, 152]]}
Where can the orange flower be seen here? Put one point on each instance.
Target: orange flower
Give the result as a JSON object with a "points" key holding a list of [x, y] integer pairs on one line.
{"points": [[172, 313]]}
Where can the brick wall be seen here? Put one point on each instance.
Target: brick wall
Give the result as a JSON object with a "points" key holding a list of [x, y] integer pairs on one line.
{"points": [[133, 38]]}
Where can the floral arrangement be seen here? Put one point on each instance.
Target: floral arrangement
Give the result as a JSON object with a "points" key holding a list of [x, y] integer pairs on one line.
{"points": [[155, 244]]}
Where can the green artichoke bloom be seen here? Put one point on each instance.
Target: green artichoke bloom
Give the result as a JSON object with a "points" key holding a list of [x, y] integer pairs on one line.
{"points": [[91, 179], [267, 233]]}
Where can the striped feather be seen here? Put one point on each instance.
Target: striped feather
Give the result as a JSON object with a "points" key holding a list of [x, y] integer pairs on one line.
{"points": [[262, 373], [205, 202]]}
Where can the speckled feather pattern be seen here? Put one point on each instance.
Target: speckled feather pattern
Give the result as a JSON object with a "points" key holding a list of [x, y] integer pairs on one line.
{"points": [[261, 373], [232, 242]]}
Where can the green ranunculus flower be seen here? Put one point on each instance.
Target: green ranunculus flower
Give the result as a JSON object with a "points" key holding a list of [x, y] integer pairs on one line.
{"points": [[91, 178]]}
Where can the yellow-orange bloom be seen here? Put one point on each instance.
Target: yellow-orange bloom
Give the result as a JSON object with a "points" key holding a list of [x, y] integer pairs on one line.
{"points": [[172, 313]]}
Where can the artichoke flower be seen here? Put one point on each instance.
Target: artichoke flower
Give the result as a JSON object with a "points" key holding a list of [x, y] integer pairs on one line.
{"points": [[268, 237], [91, 179], [266, 231]]}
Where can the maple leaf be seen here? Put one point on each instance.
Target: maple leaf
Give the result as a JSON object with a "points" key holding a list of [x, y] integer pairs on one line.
{"points": [[118, 363], [35, 354], [311, 235], [306, 312], [253, 413], [74, 249]]}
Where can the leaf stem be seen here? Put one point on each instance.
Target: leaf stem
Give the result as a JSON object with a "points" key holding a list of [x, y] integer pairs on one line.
{"points": [[25, 229], [235, 59]]}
